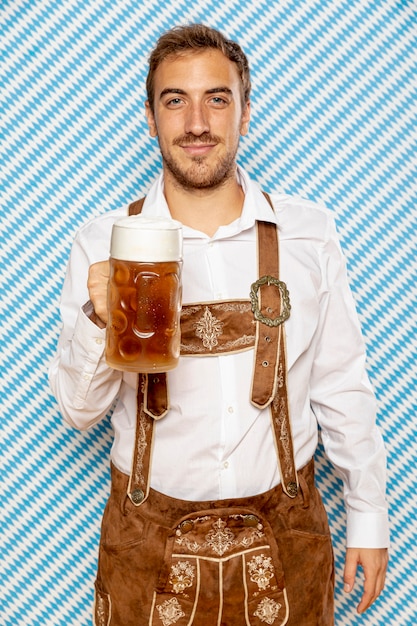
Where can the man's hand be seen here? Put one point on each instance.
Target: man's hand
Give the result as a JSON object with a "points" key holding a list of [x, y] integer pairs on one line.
{"points": [[98, 278], [374, 563]]}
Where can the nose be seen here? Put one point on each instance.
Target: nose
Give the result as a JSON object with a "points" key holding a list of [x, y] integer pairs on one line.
{"points": [[196, 120]]}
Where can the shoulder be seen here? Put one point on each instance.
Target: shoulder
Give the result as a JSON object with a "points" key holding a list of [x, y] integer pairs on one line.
{"points": [[92, 240], [100, 225], [298, 216]]}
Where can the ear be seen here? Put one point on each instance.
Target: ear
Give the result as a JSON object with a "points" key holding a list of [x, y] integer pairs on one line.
{"points": [[151, 120], [244, 124]]}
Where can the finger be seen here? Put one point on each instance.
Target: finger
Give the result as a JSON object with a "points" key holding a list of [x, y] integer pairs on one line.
{"points": [[368, 597], [373, 586], [97, 282], [98, 273], [349, 574]]}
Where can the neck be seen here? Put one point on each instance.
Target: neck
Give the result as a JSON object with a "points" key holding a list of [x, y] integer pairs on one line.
{"points": [[204, 209]]}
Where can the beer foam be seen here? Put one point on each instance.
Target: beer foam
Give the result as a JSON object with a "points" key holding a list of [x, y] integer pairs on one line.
{"points": [[146, 239]]}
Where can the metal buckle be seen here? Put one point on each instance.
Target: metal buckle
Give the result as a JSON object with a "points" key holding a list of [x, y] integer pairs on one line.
{"points": [[285, 301]]}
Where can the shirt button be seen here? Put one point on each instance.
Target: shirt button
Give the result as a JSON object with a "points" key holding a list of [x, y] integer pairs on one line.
{"points": [[99, 342], [231, 409], [226, 464]]}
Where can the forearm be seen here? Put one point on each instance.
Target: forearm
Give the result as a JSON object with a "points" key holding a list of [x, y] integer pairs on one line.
{"points": [[345, 407], [83, 384]]}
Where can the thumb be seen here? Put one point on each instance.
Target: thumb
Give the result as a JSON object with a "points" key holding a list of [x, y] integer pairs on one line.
{"points": [[349, 574]]}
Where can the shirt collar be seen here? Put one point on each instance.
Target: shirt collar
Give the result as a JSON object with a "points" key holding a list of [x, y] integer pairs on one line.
{"points": [[255, 206]]}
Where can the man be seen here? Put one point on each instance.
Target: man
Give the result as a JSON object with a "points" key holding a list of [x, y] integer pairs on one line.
{"points": [[214, 517]]}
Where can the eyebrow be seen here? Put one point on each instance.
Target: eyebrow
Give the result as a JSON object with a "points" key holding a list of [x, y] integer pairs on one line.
{"points": [[171, 90]]}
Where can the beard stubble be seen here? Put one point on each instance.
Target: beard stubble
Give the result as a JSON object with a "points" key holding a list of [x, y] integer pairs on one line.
{"points": [[199, 174]]}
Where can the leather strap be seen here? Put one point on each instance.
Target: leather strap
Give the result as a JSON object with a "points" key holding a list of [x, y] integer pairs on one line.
{"points": [[203, 326], [136, 207], [268, 338], [156, 395], [269, 383], [139, 481]]}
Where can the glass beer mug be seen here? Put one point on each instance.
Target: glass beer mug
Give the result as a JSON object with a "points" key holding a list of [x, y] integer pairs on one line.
{"points": [[144, 294]]}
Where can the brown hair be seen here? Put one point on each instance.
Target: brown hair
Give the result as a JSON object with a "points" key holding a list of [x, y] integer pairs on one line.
{"points": [[194, 38]]}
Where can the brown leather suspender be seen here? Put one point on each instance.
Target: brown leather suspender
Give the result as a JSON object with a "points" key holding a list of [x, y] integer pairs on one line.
{"points": [[267, 309]]}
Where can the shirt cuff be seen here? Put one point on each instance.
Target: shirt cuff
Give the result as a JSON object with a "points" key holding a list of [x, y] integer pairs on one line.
{"points": [[367, 530], [87, 331], [88, 345]]}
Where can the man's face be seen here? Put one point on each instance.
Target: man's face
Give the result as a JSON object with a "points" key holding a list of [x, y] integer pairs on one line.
{"points": [[198, 118]]}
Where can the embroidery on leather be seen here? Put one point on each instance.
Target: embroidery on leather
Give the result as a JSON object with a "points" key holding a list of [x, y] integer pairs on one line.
{"points": [[235, 307], [182, 576], [208, 329], [279, 405], [192, 546], [245, 340], [228, 346], [261, 570], [170, 612], [142, 443], [268, 610], [285, 436], [280, 376], [204, 326], [219, 540]]}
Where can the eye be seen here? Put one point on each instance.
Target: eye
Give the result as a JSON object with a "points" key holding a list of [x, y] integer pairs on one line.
{"points": [[219, 101], [173, 102]]}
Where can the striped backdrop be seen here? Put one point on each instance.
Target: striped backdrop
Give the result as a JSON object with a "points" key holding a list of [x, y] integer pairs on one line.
{"points": [[334, 117]]}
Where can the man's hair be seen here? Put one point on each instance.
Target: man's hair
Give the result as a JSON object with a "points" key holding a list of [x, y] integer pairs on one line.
{"points": [[196, 38]]}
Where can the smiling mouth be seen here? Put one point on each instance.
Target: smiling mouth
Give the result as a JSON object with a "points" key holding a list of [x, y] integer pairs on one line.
{"points": [[198, 149]]}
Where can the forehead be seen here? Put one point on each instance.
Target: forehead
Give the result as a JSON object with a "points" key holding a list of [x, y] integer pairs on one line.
{"points": [[196, 70]]}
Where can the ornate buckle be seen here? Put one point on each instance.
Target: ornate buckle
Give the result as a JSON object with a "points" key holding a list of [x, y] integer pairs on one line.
{"points": [[285, 301]]}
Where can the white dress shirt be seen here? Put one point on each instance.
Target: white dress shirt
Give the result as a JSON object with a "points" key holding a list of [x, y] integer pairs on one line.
{"points": [[214, 443]]}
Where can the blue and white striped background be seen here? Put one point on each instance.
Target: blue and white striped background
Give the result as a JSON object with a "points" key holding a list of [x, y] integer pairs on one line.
{"points": [[334, 117]]}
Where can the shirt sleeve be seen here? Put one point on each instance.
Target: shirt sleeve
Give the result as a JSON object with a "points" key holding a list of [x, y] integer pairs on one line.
{"points": [[84, 385], [345, 405]]}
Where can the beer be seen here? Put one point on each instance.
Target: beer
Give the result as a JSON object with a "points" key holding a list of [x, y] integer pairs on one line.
{"points": [[144, 296]]}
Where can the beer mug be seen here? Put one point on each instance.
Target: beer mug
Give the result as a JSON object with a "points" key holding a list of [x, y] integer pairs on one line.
{"points": [[144, 294]]}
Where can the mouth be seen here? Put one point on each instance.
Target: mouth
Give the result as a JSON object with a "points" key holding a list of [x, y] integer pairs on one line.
{"points": [[197, 146], [198, 149]]}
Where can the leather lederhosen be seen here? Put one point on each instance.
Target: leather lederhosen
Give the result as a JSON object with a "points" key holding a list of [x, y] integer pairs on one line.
{"points": [[238, 562]]}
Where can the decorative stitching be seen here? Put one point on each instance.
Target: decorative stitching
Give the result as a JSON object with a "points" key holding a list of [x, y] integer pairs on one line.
{"points": [[261, 570], [182, 576], [219, 540], [170, 612], [208, 329], [268, 610]]}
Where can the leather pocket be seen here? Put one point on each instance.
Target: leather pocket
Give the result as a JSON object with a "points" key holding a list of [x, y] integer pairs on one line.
{"points": [[122, 532], [308, 564], [221, 566]]}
